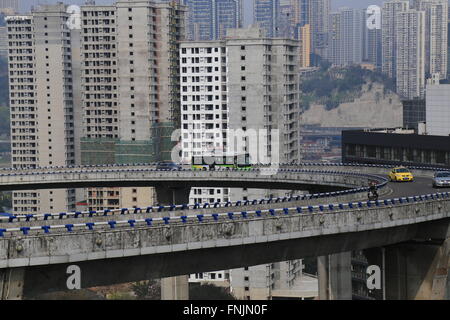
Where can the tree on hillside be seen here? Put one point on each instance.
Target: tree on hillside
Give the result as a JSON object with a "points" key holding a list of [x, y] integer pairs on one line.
{"points": [[147, 290], [208, 292]]}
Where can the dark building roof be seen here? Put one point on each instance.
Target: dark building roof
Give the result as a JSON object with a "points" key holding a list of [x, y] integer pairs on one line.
{"points": [[416, 141]]}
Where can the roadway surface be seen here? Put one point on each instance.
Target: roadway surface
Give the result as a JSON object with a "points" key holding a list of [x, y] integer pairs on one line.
{"points": [[422, 185]]}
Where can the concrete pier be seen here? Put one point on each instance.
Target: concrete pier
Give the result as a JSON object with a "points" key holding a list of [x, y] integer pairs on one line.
{"points": [[12, 283], [335, 282], [174, 288]]}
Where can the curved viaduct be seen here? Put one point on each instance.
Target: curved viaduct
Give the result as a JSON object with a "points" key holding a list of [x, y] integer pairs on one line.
{"points": [[162, 241]]}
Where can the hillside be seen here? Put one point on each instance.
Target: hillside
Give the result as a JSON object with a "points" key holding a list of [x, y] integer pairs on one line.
{"points": [[333, 86], [375, 107], [349, 97]]}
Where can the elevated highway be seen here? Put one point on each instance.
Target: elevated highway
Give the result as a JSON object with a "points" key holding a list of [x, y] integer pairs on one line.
{"points": [[176, 239]]}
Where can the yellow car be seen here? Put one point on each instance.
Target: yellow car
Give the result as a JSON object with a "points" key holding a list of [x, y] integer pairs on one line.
{"points": [[400, 174]]}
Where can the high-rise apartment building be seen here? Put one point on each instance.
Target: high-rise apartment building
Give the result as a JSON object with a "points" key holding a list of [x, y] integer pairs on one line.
{"points": [[265, 15], [448, 45], [319, 11], [244, 82], [3, 42], [199, 21], [107, 92], [301, 12], [304, 38], [410, 54], [436, 41], [280, 280], [210, 19], [372, 47], [263, 88], [130, 89], [228, 14], [345, 43], [10, 5], [3, 37], [42, 93], [334, 53], [204, 108], [285, 20], [389, 14]]}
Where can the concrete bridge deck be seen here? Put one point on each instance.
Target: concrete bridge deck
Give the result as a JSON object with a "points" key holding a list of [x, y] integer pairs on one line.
{"points": [[183, 242]]}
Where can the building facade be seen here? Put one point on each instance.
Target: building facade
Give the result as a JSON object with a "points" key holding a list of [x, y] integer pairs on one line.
{"points": [[345, 42], [204, 110], [3, 42], [10, 5], [410, 54], [280, 280], [372, 49], [436, 41], [104, 92], [228, 14], [395, 147], [319, 11], [438, 109], [210, 19], [413, 113], [130, 90], [389, 36], [265, 16], [199, 20], [246, 82], [304, 38], [42, 93]]}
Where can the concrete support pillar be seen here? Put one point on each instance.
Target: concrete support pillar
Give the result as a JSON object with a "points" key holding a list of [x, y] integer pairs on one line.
{"points": [[172, 195], [322, 271], [335, 278], [418, 270], [174, 288], [11, 283]]}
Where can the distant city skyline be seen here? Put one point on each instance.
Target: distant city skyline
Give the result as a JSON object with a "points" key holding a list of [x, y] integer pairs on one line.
{"points": [[248, 5]]}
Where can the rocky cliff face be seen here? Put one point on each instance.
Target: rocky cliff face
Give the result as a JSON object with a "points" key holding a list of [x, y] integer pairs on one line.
{"points": [[373, 109]]}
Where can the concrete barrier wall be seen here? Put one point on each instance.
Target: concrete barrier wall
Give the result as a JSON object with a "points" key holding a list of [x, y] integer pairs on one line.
{"points": [[226, 231]]}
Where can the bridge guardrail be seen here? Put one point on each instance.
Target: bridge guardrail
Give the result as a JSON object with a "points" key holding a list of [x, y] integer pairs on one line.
{"points": [[172, 207], [149, 222]]}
